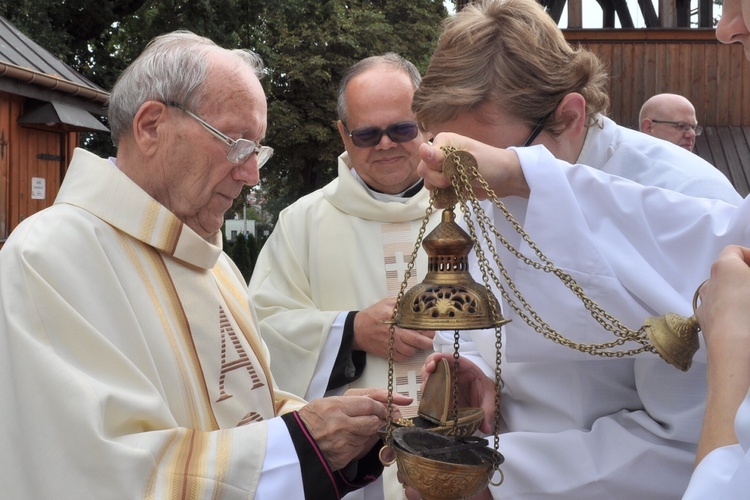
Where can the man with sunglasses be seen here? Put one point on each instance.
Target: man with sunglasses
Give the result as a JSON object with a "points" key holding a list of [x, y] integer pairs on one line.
{"points": [[578, 426], [670, 117], [131, 364], [325, 282]]}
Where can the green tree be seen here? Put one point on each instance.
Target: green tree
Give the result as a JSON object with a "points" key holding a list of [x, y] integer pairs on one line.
{"points": [[241, 256], [306, 45], [77, 31], [253, 250], [224, 241]]}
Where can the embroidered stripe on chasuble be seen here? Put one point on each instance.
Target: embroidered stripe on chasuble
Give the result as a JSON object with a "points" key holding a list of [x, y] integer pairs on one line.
{"points": [[398, 245]]}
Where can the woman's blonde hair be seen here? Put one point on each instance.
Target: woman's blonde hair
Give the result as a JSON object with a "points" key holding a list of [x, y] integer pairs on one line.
{"points": [[509, 53]]}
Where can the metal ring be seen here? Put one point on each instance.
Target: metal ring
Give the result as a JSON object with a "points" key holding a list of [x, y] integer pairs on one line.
{"points": [[502, 478], [385, 462], [695, 296]]}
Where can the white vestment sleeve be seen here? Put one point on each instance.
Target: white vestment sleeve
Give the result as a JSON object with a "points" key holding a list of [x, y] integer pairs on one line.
{"points": [[327, 358], [724, 474], [660, 246], [715, 474], [281, 477], [658, 242]]}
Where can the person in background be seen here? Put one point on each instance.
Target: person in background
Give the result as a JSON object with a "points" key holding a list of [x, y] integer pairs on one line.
{"points": [[516, 82], [670, 117], [652, 243], [130, 360], [326, 281]]}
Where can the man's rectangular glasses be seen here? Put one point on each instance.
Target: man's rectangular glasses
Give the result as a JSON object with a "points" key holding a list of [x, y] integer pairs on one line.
{"points": [[682, 126], [367, 137], [240, 149]]}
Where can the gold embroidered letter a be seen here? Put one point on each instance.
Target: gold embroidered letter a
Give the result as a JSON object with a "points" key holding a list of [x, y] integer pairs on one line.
{"points": [[242, 361]]}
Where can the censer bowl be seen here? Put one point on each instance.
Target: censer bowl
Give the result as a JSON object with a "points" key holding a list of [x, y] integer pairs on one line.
{"points": [[442, 467]]}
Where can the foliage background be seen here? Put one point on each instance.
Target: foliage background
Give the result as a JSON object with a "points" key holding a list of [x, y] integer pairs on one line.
{"points": [[306, 46]]}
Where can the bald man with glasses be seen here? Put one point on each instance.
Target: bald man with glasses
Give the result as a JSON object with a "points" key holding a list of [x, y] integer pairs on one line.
{"points": [[327, 278], [670, 117]]}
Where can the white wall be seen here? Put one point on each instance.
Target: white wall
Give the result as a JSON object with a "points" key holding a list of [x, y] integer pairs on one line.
{"points": [[233, 227]]}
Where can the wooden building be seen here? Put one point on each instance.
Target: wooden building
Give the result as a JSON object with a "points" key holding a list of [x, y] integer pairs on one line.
{"points": [[44, 106], [691, 62]]}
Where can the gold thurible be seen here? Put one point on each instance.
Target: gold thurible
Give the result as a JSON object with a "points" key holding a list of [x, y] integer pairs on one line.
{"points": [[444, 460]]}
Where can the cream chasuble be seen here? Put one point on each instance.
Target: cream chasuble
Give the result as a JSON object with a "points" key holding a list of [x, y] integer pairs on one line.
{"points": [[337, 249], [145, 353]]}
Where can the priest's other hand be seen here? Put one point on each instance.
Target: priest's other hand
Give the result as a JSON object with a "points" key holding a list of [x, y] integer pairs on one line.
{"points": [[475, 389], [372, 331], [345, 427], [499, 167]]}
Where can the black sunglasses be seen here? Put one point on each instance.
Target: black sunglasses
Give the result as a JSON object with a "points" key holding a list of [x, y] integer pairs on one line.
{"points": [[367, 137]]}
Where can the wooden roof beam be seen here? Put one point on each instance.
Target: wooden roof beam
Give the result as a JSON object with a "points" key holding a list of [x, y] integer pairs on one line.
{"points": [[649, 13], [621, 7], [554, 8], [575, 14], [706, 14], [668, 13]]}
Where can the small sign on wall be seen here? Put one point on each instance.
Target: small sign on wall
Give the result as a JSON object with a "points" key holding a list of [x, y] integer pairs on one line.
{"points": [[38, 188]]}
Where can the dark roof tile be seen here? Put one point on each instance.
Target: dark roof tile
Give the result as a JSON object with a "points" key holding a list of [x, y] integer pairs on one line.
{"points": [[728, 149], [19, 50]]}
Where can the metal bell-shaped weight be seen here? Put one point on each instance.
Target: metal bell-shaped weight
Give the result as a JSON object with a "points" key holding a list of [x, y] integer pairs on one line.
{"points": [[675, 338]]}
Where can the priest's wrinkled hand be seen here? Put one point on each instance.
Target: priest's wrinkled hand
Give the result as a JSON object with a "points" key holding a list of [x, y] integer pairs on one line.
{"points": [[372, 331], [344, 427], [475, 389], [381, 395], [499, 167]]}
